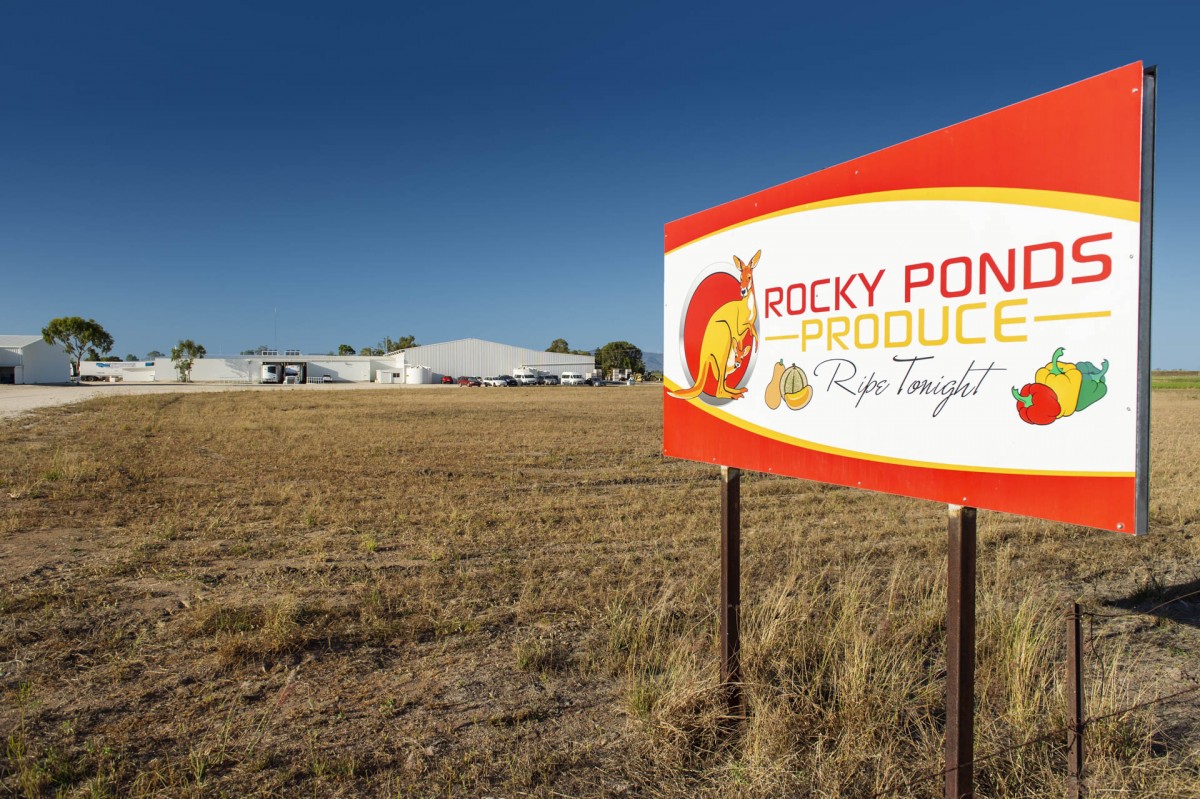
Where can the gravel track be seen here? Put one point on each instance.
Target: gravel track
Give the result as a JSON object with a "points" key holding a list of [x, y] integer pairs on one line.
{"points": [[16, 400]]}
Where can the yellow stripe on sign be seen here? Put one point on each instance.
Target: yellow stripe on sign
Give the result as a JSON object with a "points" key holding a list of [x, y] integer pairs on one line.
{"points": [[781, 338], [1127, 210], [1060, 317], [774, 435]]}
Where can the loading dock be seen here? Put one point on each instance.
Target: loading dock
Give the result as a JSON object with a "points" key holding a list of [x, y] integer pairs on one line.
{"points": [[284, 371]]}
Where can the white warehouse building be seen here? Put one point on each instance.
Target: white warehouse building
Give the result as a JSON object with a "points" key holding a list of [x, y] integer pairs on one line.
{"points": [[25, 360], [479, 358], [254, 368], [429, 364]]}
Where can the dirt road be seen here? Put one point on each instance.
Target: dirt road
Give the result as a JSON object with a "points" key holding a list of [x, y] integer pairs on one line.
{"points": [[15, 400]]}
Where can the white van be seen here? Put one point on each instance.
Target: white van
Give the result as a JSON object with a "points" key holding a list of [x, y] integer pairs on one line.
{"points": [[572, 379]]}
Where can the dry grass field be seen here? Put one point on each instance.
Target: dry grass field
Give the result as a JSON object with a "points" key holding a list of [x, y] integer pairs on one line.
{"points": [[512, 593]]}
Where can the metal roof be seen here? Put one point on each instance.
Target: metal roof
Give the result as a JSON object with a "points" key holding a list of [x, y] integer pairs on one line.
{"points": [[474, 356], [452, 342], [526, 355], [17, 342]]}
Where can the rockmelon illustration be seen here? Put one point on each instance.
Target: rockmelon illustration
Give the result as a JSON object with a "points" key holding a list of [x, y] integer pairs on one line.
{"points": [[793, 384]]}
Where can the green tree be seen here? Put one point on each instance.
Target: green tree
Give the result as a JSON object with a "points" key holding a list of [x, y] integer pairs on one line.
{"points": [[345, 349], [77, 336], [184, 354], [390, 344], [371, 351], [152, 354], [620, 355], [559, 345], [131, 357], [93, 354]]}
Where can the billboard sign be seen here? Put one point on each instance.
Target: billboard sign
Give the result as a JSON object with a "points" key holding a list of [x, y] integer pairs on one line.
{"points": [[962, 317]]}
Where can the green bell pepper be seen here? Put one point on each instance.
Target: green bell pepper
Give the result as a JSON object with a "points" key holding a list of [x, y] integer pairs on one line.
{"points": [[1093, 387]]}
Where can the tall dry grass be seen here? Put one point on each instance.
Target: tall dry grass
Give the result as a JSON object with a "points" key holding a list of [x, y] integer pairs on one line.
{"points": [[466, 592]]}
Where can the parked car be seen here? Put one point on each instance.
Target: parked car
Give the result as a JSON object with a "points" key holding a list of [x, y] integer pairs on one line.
{"points": [[572, 379], [495, 382], [447, 380], [550, 380], [470, 381], [509, 380]]}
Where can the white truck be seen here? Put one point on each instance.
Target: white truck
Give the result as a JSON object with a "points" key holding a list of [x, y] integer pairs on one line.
{"points": [[525, 376]]}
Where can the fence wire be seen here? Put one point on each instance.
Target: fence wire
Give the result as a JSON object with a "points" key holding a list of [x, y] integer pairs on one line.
{"points": [[905, 786]]}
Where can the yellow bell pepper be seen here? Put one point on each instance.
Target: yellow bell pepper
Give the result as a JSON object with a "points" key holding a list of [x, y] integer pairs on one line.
{"points": [[1064, 380]]}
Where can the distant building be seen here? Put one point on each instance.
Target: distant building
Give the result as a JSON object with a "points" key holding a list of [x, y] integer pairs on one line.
{"points": [[428, 364], [479, 358], [25, 360]]}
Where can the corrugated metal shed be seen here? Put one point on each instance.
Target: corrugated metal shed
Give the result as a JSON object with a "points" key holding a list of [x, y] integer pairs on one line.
{"points": [[27, 359], [473, 356]]}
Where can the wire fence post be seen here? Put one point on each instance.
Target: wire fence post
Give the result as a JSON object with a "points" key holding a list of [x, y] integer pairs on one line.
{"points": [[1074, 703], [960, 653], [731, 590]]}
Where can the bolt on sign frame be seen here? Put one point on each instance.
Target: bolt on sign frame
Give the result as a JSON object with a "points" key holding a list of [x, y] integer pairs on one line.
{"points": [[963, 317]]}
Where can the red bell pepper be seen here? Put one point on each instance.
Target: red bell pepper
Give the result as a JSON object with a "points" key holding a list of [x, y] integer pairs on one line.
{"points": [[1037, 403]]}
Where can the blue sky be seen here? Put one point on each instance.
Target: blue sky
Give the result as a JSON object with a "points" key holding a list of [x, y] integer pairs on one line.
{"points": [[342, 172]]}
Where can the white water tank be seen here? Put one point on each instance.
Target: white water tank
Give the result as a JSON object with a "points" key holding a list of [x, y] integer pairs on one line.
{"points": [[418, 375]]}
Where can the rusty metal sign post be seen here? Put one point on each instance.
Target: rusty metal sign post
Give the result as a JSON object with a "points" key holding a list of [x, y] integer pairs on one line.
{"points": [[731, 590], [1074, 704], [960, 653]]}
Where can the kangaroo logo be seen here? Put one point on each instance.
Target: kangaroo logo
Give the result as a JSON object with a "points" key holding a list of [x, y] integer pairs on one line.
{"points": [[719, 334]]}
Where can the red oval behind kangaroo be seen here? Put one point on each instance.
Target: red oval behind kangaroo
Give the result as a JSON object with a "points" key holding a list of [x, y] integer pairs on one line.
{"points": [[726, 344]]}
